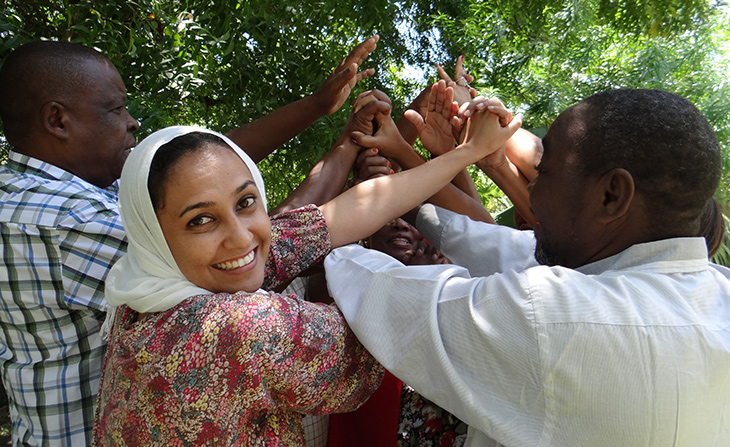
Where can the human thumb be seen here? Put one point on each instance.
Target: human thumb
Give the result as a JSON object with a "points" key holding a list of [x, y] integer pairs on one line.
{"points": [[415, 118]]}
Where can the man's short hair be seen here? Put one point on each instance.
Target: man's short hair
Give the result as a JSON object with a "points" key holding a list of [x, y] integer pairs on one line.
{"points": [[662, 139], [35, 73]]}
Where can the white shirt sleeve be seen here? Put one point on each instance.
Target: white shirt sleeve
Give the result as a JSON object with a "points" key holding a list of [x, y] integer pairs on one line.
{"points": [[498, 248], [424, 322]]}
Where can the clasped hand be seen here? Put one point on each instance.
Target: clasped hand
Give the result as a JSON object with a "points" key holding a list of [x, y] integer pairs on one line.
{"points": [[488, 127]]}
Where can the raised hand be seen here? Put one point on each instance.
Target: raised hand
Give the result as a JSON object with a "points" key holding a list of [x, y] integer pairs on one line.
{"points": [[337, 87], [463, 92], [484, 133], [475, 105], [436, 129], [387, 138], [498, 157], [369, 164], [481, 103], [364, 110], [367, 97]]}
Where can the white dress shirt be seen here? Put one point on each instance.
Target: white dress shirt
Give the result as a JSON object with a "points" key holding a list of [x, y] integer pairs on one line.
{"points": [[632, 350]]}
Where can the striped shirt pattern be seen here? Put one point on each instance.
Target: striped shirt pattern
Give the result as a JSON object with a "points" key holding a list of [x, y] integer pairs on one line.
{"points": [[59, 235]]}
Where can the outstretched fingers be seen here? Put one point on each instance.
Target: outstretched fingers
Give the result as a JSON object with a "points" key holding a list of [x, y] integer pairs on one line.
{"points": [[364, 74], [463, 92], [360, 52], [337, 87], [441, 99]]}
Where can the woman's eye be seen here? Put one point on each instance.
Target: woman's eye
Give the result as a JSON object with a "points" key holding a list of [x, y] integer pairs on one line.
{"points": [[199, 220], [246, 202]]}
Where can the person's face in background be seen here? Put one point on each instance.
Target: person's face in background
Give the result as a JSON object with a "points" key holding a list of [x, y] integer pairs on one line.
{"points": [[99, 126], [401, 240], [214, 221], [395, 238]]}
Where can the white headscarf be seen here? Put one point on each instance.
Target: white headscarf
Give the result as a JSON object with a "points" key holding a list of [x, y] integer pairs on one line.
{"points": [[147, 279]]}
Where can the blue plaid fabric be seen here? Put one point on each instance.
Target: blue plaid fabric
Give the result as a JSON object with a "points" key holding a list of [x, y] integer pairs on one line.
{"points": [[59, 235]]}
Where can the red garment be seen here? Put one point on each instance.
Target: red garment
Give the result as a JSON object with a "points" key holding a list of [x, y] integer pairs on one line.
{"points": [[373, 424]]}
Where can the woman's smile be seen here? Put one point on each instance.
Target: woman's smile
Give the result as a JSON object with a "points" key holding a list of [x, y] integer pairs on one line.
{"points": [[215, 222], [235, 264]]}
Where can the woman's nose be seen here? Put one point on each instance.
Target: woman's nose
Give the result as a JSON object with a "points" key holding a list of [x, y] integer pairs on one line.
{"points": [[238, 234]]}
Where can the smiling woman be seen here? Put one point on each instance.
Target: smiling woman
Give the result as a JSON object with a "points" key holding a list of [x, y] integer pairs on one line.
{"points": [[198, 353], [215, 225]]}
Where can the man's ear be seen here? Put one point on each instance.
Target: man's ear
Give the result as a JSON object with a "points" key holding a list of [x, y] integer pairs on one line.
{"points": [[55, 118], [617, 193]]}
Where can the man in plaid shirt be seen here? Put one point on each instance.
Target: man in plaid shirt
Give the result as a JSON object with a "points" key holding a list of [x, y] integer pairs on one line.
{"points": [[64, 112]]}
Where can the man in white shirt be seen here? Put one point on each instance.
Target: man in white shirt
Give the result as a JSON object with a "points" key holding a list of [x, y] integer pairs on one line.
{"points": [[607, 326]]}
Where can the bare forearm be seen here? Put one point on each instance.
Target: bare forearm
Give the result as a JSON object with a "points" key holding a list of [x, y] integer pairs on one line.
{"points": [[450, 197], [454, 199], [464, 182], [509, 179], [261, 137], [407, 129], [363, 209], [524, 149], [324, 182]]}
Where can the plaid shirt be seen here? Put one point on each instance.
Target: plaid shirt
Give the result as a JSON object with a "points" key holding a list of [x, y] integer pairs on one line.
{"points": [[59, 235]]}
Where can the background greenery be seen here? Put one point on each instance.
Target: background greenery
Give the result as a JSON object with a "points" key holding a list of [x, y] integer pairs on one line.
{"points": [[221, 63]]}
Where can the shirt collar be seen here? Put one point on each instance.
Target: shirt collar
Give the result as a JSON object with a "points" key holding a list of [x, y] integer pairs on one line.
{"points": [[676, 255], [25, 164]]}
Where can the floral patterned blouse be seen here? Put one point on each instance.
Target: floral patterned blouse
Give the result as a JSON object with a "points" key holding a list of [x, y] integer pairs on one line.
{"points": [[235, 370], [424, 424]]}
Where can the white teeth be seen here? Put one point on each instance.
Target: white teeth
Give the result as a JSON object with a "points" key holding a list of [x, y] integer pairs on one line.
{"points": [[230, 265], [400, 240]]}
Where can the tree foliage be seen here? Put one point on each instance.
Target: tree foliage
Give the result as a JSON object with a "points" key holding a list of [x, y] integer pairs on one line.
{"points": [[221, 63], [216, 63], [544, 56]]}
